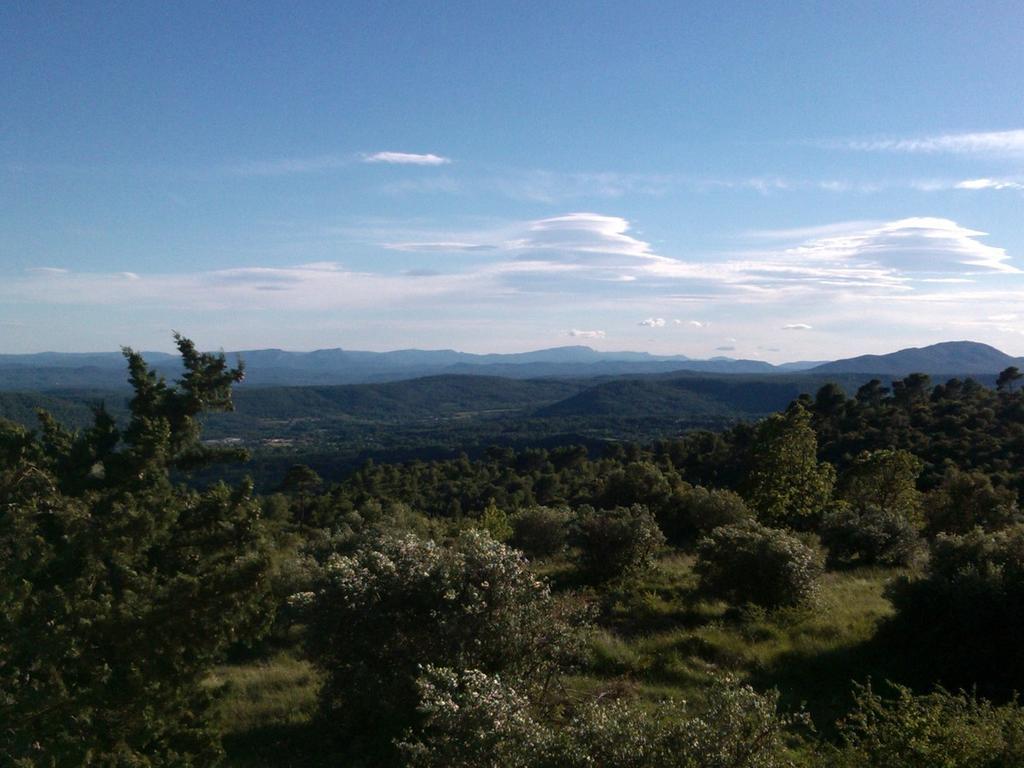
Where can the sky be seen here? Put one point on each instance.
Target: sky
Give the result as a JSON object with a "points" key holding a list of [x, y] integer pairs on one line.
{"points": [[780, 181]]}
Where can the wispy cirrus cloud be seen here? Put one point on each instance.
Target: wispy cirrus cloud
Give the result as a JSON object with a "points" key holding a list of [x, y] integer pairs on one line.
{"points": [[288, 166], [797, 327], [406, 158], [850, 256], [984, 142], [989, 184]]}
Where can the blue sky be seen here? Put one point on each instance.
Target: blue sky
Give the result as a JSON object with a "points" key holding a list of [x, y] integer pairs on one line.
{"points": [[779, 181]]}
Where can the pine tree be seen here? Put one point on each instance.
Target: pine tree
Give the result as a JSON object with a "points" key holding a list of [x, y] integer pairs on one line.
{"points": [[119, 587]]}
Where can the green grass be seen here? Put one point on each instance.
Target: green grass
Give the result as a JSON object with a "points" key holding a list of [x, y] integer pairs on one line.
{"points": [[657, 639], [660, 638], [266, 711]]}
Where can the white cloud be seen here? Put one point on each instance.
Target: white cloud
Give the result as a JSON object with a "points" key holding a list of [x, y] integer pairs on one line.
{"points": [[653, 322], [406, 158], [591, 249], [47, 270], [920, 244], [700, 323], [583, 233], [988, 184], [576, 333], [591, 245], [796, 327], [805, 233], [988, 142]]}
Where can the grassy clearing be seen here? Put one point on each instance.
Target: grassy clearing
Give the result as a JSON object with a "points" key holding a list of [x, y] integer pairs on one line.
{"points": [[660, 638], [266, 709], [657, 639]]}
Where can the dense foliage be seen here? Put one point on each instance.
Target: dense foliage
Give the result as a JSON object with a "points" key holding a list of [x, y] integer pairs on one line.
{"points": [[938, 730], [960, 613], [749, 563], [617, 543], [964, 501], [541, 531], [870, 536], [377, 616], [473, 720], [119, 589], [884, 480], [444, 602], [785, 483]]}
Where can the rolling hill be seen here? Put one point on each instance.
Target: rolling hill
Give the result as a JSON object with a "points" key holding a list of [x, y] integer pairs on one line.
{"points": [[947, 358]]}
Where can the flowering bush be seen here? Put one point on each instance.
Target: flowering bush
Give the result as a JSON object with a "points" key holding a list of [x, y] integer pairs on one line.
{"points": [[379, 616], [474, 720]]}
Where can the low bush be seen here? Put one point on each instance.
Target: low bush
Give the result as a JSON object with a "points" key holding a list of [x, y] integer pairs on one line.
{"points": [[617, 543], [872, 537], [395, 605], [540, 531], [473, 720], [749, 563], [696, 511], [938, 730]]}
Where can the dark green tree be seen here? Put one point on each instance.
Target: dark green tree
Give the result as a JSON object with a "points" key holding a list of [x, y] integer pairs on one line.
{"points": [[885, 479], [1008, 378], [786, 485], [118, 587]]}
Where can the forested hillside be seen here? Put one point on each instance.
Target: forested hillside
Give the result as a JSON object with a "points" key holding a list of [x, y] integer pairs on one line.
{"points": [[337, 429], [831, 584]]}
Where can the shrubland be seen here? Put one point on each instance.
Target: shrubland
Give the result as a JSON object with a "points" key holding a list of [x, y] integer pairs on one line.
{"points": [[721, 599]]}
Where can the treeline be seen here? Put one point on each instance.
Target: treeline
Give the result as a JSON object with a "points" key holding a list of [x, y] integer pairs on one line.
{"points": [[956, 429], [451, 607]]}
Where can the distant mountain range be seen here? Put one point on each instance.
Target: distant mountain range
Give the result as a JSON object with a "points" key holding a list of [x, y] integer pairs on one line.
{"points": [[275, 367]]}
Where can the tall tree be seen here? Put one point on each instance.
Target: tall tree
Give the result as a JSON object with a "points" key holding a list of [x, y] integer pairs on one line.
{"points": [[118, 587], [1008, 378], [885, 479], [786, 485]]}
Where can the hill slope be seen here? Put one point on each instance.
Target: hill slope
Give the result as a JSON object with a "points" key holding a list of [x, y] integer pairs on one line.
{"points": [[951, 357]]}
